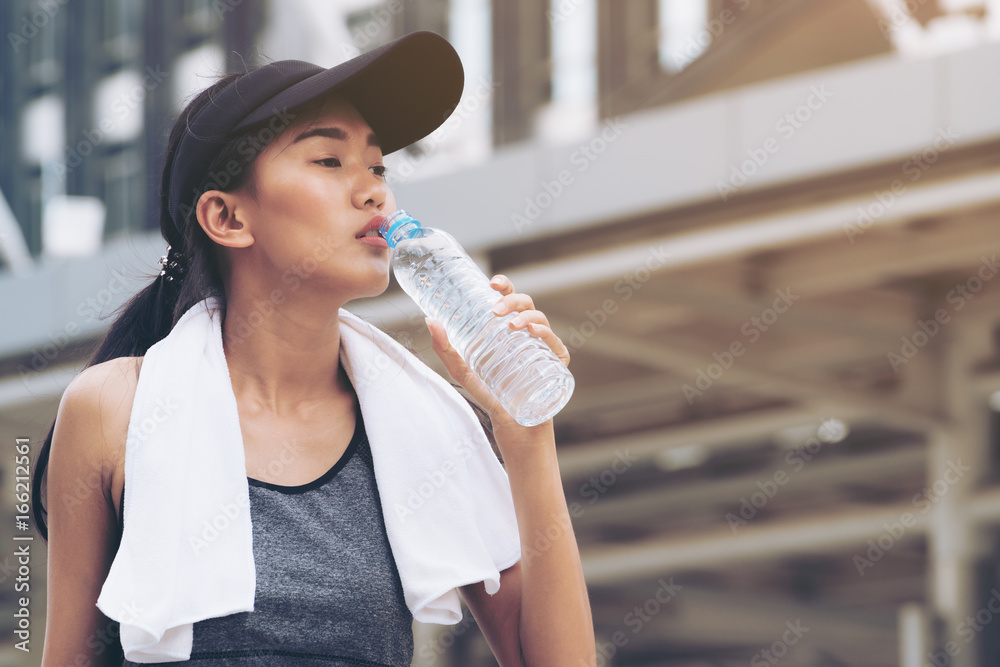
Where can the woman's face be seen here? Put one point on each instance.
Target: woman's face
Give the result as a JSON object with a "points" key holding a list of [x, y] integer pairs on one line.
{"points": [[317, 186]]}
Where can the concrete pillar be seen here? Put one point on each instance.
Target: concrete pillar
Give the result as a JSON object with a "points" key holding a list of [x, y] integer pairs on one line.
{"points": [[913, 635], [958, 458]]}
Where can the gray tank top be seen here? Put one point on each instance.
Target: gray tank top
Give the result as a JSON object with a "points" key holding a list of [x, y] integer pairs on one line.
{"points": [[328, 592]]}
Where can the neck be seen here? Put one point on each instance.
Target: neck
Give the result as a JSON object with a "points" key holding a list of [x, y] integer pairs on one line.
{"points": [[284, 357]]}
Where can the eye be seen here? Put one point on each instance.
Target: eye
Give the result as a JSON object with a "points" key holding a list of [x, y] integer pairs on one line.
{"points": [[379, 170], [329, 162]]}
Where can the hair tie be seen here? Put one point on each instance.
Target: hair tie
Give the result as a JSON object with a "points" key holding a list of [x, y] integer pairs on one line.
{"points": [[171, 264]]}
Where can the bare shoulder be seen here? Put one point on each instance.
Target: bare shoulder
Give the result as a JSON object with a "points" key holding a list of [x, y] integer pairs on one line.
{"points": [[111, 379], [108, 387], [88, 444], [98, 402]]}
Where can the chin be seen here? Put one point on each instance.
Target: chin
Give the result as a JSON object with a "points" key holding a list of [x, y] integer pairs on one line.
{"points": [[376, 286]]}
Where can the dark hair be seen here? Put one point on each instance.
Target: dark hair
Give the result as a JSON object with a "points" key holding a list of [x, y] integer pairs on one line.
{"points": [[150, 315]]}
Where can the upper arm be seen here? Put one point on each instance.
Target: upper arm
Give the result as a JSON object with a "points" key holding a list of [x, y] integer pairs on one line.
{"points": [[90, 427], [499, 615]]}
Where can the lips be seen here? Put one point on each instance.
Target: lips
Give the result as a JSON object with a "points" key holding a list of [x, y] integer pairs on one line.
{"points": [[371, 229]]}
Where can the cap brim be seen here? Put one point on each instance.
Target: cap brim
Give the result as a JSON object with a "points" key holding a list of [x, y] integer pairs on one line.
{"points": [[404, 89]]}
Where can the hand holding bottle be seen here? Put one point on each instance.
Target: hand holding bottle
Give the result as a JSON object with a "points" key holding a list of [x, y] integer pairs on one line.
{"points": [[528, 319]]}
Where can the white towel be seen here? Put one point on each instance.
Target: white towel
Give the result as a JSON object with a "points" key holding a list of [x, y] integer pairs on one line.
{"points": [[186, 551]]}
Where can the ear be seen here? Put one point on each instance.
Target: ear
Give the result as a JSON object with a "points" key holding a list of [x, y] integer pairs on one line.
{"points": [[219, 215]]}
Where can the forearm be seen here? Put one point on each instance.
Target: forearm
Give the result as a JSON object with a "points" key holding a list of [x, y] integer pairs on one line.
{"points": [[556, 626]]}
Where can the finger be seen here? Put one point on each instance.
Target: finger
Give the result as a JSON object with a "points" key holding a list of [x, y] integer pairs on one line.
{"points": [[536, 324], [549, 337], [525, 317], [442, 347], [513, 302], [456, 366], [502, 284]]}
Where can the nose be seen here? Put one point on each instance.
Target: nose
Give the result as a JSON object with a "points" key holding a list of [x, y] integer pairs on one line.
{"points": [[369, 190]]}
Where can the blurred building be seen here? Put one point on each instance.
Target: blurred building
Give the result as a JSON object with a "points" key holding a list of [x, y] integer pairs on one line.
{"points": [[767, 229]]}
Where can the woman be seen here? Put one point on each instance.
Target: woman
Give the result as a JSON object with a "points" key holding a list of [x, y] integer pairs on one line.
{"points": [[264, 169]]}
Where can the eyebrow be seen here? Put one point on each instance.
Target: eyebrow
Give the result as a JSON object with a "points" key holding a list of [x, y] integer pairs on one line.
{"points": [[333, 133]]}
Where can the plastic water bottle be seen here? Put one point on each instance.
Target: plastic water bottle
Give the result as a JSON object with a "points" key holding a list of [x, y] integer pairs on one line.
{"points": [[522, 372]]}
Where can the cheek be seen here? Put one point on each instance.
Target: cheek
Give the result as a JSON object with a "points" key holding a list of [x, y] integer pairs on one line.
{"points": [[292, 215], [292, 192]]}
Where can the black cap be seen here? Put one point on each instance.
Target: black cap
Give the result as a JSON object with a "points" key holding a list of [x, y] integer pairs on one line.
{"points": [[404, 90]]}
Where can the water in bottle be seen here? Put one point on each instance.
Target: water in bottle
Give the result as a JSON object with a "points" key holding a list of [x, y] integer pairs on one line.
{"points": [[525, 376]]}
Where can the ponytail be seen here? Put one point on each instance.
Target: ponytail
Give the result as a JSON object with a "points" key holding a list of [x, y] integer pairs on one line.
{"points": [[150, 315], [143, 321]]}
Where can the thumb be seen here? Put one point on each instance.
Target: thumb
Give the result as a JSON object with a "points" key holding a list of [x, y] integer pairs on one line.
{"points": [[456, 366], [442, 347]]}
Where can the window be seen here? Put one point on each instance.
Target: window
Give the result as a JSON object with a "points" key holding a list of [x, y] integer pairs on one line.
{"points": [[521, 65], [628, 47], [682, 31], [373, 26], [123, 191]]}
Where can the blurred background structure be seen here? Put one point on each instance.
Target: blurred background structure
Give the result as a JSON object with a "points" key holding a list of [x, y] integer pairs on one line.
{"points": [[767, 229]]}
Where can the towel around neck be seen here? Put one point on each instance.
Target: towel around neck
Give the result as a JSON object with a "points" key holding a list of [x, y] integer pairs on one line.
{"points": [[186, 552]]}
